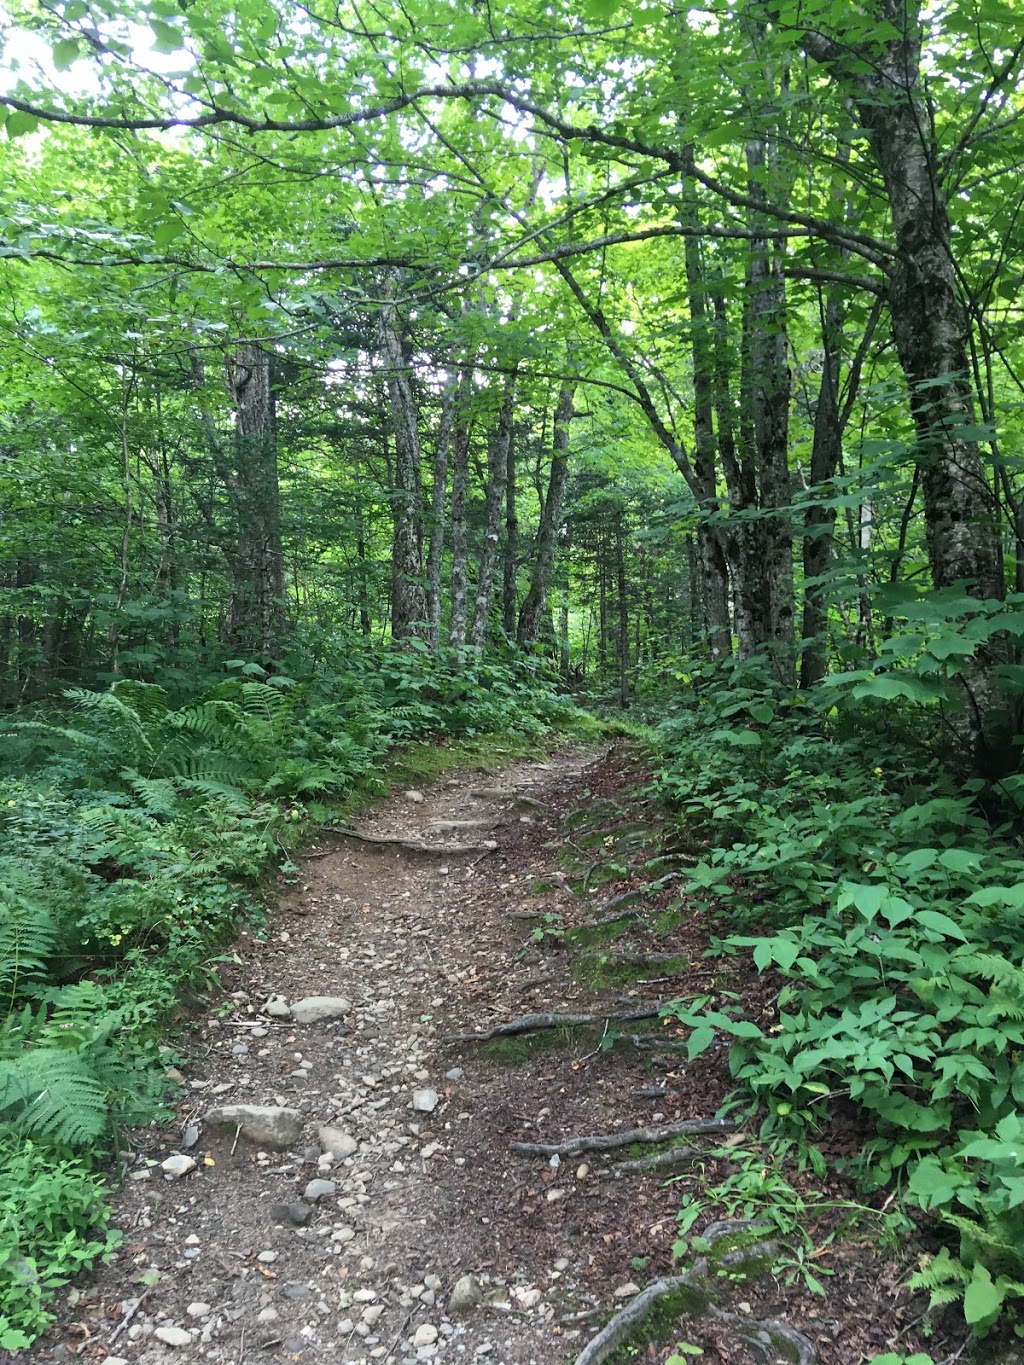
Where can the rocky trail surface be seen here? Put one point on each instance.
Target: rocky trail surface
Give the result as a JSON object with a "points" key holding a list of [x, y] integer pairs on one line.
{"points": [[352, 1178]]}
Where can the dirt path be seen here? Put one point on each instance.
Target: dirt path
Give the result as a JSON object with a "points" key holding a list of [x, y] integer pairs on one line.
{"points": [[424, 1237]]}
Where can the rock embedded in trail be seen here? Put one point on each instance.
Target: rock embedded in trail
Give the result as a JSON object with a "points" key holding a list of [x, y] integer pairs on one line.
{"points": [[425, 1101], [425, 1335], [416, 797], [173, 1336], [177, 1166], [297, 1213], [466, 1295], [270, 1125], [319, 1189], [277, 1007], [316, 1008], [336, 1142]]}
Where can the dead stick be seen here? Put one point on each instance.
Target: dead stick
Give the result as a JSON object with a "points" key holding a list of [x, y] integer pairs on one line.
{"points": [[607, 1142], [530, 1022]]}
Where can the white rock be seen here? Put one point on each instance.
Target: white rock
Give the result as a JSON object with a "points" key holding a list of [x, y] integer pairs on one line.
{"points": [[318, 1007], [425, 1102], [414, 796], [373, 1314], [425, 1335], [277, 1007], [198, 1310], [626, 1291], [173, 1336], [177, 1166], [115, 1360], [336, 1142], [528, 1297], [268, 1315], [267, 1257]]}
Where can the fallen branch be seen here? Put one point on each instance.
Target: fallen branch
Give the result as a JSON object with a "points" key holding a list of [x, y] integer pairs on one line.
{"points": [[530, 1023], [607, 1142], [412, 845]]}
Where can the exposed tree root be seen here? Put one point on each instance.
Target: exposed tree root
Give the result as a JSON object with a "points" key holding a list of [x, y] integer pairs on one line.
{"points": [[607, 1142], [675, 1156], [530, 1023], [412, 845], [636, 959], [770, 1341]]}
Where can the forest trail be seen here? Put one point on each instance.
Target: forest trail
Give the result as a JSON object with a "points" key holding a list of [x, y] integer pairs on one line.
{"points": [[241, 1260]]}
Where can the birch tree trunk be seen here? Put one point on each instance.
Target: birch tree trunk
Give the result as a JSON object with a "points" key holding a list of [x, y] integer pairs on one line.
{"points": [[532, 612]]}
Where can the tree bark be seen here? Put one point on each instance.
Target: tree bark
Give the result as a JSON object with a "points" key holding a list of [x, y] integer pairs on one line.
{"points": [[510, 562], [460, 538], [497, 473], [928, 321], [438, 504], [254, 612], [535, 603], [408, 593]]}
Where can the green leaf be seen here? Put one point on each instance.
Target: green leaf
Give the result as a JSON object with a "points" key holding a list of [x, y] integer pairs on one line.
{"points": [[982, 1300], [700, 1040], [167, 37], [18, 124], [65, 52], [941, 924]]}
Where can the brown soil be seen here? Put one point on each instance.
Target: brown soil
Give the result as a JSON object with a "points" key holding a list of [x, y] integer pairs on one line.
{"points": [[425, 945]]}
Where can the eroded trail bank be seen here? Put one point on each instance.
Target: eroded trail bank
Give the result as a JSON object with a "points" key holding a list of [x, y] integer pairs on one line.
{"points": [[379, 1206]]}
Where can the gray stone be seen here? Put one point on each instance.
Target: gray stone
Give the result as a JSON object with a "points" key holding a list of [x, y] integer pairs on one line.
{"points": [[465, 1296], [277, 1007], [177, 1166], [268, 1315], [269, 1125], [319, 1189], [425, 1101], [296, 1212], [190, 1136], [336, 1142], [316, 1008], [198, 1310], [173, 1336], [414, 796], [425, 1335], [456, 1074]]}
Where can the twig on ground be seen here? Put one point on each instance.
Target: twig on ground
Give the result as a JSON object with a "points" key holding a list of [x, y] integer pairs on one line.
{"points": [[530, 1023], [607, 1142], [129, 1313]]}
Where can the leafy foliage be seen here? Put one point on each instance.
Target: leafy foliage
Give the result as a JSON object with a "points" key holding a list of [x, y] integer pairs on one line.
{"points": [[888, 904]]}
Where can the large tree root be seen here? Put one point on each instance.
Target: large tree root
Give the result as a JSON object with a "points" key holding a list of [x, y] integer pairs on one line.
{"points": [[772, 1342], [412, 845], [530, 1023], [608, 1142], [675, 1156]]}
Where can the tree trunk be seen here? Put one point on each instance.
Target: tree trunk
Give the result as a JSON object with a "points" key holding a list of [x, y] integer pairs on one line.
{"points": [[510, 566], [623, 610], [713, 564], [408, 594], [928, 322], [460, 538], [438, 502], [497, 473], [254, 612], [535, 603]]}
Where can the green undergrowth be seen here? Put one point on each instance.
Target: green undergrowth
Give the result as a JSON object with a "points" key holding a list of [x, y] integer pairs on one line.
{"points": [[886, 896], [137, 836]]}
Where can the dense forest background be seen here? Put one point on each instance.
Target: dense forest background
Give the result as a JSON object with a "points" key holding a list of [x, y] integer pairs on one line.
{"points": [[376, 372]]}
